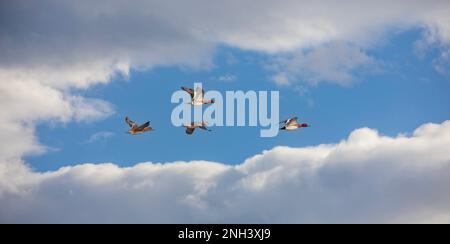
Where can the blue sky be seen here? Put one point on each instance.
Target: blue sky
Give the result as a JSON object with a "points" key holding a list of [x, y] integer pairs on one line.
{"points": [[371, 78], [403, 93]]}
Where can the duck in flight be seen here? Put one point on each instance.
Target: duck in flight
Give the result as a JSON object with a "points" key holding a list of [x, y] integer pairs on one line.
{"points": [[191, 128], [292, 124], [197, 96], [137, 129]]}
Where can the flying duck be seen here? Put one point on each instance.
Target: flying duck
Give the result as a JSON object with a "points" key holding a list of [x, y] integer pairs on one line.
{"points": [[197, 96], [191, 128], [137, 129], [292, 124]]}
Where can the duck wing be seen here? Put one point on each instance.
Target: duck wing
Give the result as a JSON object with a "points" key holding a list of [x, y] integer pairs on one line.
{"points": [[284, 121], [204, 128], [142, 127], [131, 123], [190, 130], [189, 90]]}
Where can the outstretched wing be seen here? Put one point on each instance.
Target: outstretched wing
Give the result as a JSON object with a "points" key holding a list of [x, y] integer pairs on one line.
{"points": [[188, 90], [284, 121], [190, 130], [198, 94], [131, 123], [142, 127], [204, 128]]}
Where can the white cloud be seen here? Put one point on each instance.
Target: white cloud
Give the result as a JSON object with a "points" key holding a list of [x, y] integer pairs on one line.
{"points": [[94, 40], [102, 135], [49, 49], [26, 100], [367, 178], [442, 64], [333, 63], [280, 78], [57, 46], [434, 40], [226, 78]]}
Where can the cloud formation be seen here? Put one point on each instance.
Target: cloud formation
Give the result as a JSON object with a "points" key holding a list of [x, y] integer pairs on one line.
{"points": [[50, 51], [94, 40], [367, 178], [62, 45], [26, 101], [333, 63], [100, 136]]}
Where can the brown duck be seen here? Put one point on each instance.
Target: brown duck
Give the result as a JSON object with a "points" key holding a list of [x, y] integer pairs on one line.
{"points": [[137, 129]]}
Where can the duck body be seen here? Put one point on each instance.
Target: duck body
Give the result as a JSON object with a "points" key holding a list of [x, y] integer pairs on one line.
{"points": [[197, 96], [291, 128], [135, 132], [293, 125], [190, 129], [138, 129]]}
